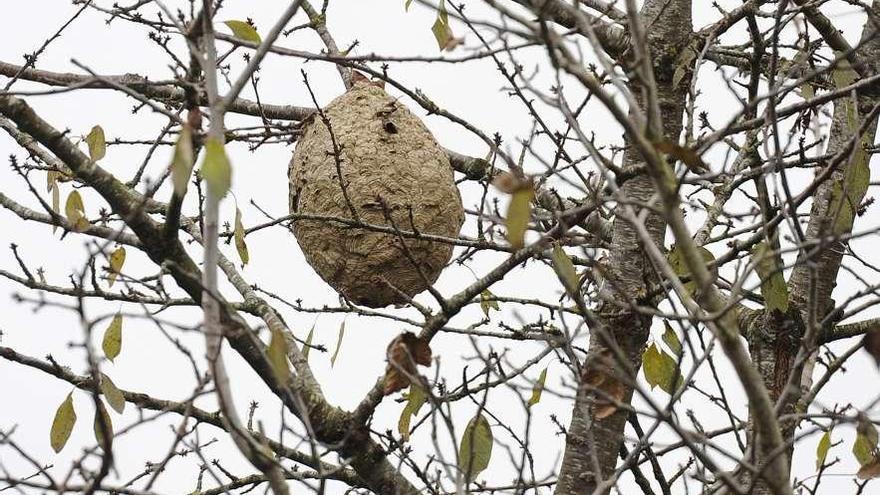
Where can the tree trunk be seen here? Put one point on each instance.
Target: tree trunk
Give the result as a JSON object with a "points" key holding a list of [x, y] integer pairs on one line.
{"points": [[592, 445]]}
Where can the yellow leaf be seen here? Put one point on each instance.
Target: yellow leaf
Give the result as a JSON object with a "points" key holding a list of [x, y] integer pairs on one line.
{"points": [[182, 161], [661, 369], [243, 31], [538, 388], [565, 270], [277, 353], [216, 168], [102, 414], [112, 343], [338, 344], [52, 187], [308, 345], [475, 449], [112, 394], [487, 302], [671, 339], [75, 212], [768, 266], [117, 259], [415, 399], [822, 449], [518, 215], [96, 142], [240, 245], [62, 425]]}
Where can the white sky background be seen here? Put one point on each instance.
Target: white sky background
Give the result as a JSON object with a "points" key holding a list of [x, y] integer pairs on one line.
{"points": [[149, 363]]}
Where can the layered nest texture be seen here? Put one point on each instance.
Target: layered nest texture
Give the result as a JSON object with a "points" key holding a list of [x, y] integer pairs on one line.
{"points": [[395, 176]]}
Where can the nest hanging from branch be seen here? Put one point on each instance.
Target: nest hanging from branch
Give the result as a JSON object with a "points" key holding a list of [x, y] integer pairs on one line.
{"points": [[393, 175]]}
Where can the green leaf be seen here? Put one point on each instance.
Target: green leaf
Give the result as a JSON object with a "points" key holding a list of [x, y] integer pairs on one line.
{"points": [[112, 343], [518, 215], [866, 442], [406, 5], [822, 449], [671, 339], [75, 212], [487, 302], [62, 425], [117, 260], [277, 352], [475, 448], [679, 265], [538, 388], [308, 345], [240, 245], [565, 270], [112, 394], [661, 370], [415, 399], [216, 168], [101, 412], [182, 161], [243, 31], [338, 344], [768, 265], [96, 142]]}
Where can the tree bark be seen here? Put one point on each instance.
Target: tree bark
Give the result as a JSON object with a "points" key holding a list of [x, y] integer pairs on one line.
{"points": [[592, 445]]}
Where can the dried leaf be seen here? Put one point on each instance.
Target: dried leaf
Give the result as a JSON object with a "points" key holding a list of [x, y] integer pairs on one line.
{"points": [[97, 144], [475, 448], [565, 270], [403, 354], [415, 399], [822, 449], [216, 168], [62, 425], [518, 215], [243, 31], [538, 388], [610, 393], [112, 343], [112, 394], [117, 259], [871, 344], [182, 161], [870, 470], [487, 302], [338, 344], [76, 212], [102, 414], [240, 245], [687, 156], [277, 353], [768, 265]]}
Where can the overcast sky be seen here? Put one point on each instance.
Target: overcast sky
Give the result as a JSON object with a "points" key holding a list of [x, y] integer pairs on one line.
{"points": [[150, 363]]}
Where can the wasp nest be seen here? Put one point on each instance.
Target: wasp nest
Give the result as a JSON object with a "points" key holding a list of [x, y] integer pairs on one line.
{"points": [[394, 176]]}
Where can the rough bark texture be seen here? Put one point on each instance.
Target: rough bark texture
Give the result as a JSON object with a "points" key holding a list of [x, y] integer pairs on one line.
{"points": [[592, 445], [775, 339], [391, 167]]}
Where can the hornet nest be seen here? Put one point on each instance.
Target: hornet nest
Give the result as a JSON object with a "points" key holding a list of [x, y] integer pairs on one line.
{"points": [[393, 175]]}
